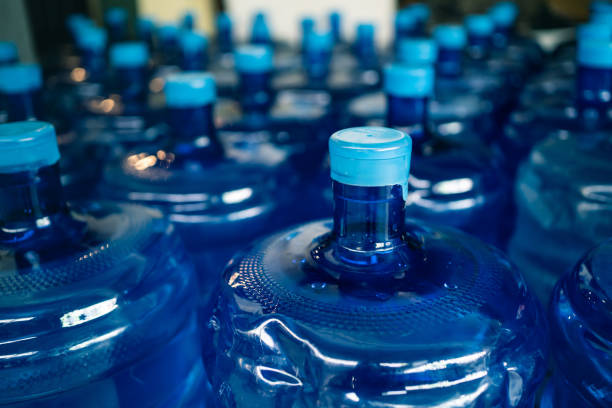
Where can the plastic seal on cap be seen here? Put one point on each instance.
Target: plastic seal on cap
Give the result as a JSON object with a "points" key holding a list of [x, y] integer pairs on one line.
{"points": [[20, 78], [409, 81], [129, 55], [417, 51], [452, 36], [504, 13], [92, 38], [421, 11], [253, 59], [192, 42], [595, 54], [479, 24], [319, 41], [594, 31], [27, 145], [370, 157], [8, 52], [190, 90], [115, 15]]}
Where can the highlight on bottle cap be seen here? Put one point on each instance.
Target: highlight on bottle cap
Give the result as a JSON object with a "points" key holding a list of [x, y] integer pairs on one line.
{"points": [[92, 39], [417, 51], [115, 15], [452, 36], [594, 31], [504, 13], [370, 157], [19, 78], [479, 25], [254, 59], [595, 54], [129, 55], [27, 146], [409, 81], [190, 89], [192, 42], [8, 52]]}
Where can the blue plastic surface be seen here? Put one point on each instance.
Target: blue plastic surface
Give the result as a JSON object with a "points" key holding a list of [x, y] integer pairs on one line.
{"points": [[579, 315], [450, 36], [27, 145], [260, 31], [595, 53], [192, 42], [417, 51], [504, 13], [375, 310], [19, 78], [189, 90], [479, 25], [8, 52]]}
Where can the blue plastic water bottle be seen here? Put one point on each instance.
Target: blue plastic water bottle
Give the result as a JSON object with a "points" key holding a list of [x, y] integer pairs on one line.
{"points": [[579, 316], [97, 299], [8, 53], [369, 309], [115, 19], [193, 49], [562, 187], [20, 92]]}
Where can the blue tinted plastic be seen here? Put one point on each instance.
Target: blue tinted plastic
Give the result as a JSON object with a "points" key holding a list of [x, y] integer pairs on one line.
{"points": [[83, 290], [193, 49], [225, 39], [146, 30], [116, 22], [375, 310], [8, 53], [580, 322], [260, 31]]}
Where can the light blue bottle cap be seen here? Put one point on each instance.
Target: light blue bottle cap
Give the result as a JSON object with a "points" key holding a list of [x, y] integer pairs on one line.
{"points": [[319, 41], [409, 81], [370, 157], [115, 15], [168, 32], [405, 19], [479, 24], [19, 78], [307, 24], [224, 21], [452, 36], [417, 51], [129, 55], [27, 145], [594, 31], [188, 20], [8, 52], [421, 11], [504, 13], [146, 24], [192, 42], [92, 39], [365, 31], [595, 54], [254, 59], [190, 90]]}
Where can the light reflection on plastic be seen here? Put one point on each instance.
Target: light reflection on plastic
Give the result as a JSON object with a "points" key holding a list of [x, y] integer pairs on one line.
{"points": [[80, 316], [456, 186], [237, 196], [418, 183], [98, 339], [260, 332], [17, 320], [17, 355], [437, 365], [352, 396], [446, 383], [259, 372]]}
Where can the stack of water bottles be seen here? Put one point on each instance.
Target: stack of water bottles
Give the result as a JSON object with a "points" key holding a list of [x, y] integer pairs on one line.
{"points": [[189, 221]]}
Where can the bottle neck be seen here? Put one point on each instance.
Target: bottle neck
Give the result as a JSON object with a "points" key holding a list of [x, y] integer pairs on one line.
{"points": [[23, 105], [403, 112], [194, 133], [450, 62], [479, 46], [132, 84], [255, 92], [367, 220], [594, 86], [194, 60], [317, 63], [366, 52], [94, 63], [29, 200]]}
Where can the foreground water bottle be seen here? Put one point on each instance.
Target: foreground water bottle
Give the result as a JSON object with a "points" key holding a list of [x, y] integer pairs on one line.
{"points": [[97, 300], [580, 334], [371, 309]]}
